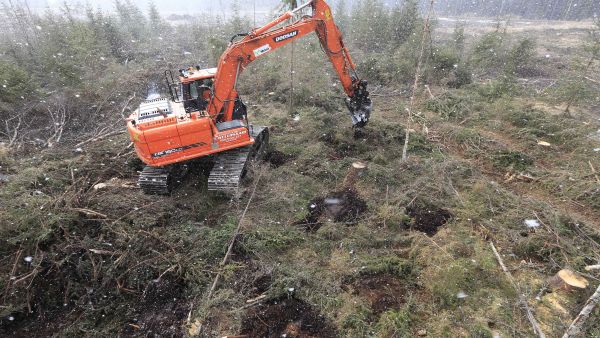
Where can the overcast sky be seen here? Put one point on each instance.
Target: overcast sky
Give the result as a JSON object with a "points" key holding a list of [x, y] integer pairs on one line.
{"points": [[168, 6]]}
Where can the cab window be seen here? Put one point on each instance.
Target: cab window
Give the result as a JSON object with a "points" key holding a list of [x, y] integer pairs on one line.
{"points": [[194, 90]]}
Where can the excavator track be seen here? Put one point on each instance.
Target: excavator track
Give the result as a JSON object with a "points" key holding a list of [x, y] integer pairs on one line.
{"points": [[155, 181], [231, 166], [160, 180]]}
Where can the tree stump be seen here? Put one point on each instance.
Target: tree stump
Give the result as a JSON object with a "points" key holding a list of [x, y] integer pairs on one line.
{"points": [[567, 280], [356, 170]]}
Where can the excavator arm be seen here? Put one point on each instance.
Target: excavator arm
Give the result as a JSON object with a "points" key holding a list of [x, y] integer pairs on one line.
{"points": [[264, 40]]}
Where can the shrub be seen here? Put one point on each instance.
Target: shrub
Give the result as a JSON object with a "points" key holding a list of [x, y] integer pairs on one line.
{"points": [[521, 57], [394, 323], [443, 62], [512, 160], [450, 106], [504, 86], [460, 76], [489, 50], [15, 83]]}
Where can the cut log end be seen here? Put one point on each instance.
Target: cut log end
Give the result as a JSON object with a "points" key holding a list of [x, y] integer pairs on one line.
{"points": [[567, 280]]}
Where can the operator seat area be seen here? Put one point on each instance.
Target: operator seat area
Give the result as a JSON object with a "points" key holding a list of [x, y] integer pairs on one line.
{"points": [[196, 95]]}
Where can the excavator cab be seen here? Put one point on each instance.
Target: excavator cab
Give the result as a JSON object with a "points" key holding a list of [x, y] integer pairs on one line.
{"points": [[194, 87], [196, 94]]}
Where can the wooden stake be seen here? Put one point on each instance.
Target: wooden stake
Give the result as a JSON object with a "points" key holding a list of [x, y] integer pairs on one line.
{"points": [[416, 84], [522, 301], [575, 327]]}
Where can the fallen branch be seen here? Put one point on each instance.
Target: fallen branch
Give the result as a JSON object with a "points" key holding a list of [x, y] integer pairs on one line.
{"points": [[592, 80], [431, 96], [234, 237], [253, 302], [594, 172], [534, 324], [127, 105], [575, 327], [592, 267], [12, 274], [100, 137], [89, 212]]}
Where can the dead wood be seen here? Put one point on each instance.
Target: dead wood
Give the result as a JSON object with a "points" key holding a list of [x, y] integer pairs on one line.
{"points": [[575, 327], [522, 301]]}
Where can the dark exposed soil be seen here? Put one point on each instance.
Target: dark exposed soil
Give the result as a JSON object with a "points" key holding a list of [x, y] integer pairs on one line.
{"points": [[277, 158], [252, 280], [292, 318], [427, 218], [383, 292], [342, 206], [161, 312]]}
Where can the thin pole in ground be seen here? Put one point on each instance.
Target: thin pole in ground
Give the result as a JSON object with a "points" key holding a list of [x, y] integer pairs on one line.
{"points": [[416, 83]]}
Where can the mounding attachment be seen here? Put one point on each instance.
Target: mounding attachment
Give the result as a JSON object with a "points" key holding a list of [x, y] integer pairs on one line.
{"points": [[360, 105]]}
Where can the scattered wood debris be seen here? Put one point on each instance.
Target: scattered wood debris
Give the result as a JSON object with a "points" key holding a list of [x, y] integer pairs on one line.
{"points": [[116, 183], [575, 327], [592, 267], [534, 324]]}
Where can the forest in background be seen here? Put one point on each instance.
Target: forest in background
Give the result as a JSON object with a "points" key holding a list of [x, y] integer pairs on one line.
{"points": [[65, 67], [549, 10], [77, 260]]}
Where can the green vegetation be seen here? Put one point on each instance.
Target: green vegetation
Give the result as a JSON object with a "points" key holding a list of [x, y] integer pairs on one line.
{"points": [[490, 147]]}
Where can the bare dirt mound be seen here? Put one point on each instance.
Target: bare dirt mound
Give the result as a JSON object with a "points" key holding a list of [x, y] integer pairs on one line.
{"points": [[161, 312], [341, 206], [277, 158], [290, 318], [383, 292], [428, 218]]}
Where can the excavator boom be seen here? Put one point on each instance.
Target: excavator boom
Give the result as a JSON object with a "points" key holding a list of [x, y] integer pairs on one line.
{"points": [[266, 39]]}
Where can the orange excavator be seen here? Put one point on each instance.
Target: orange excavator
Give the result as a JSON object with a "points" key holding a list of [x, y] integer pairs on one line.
{"points": [[205, 117]]}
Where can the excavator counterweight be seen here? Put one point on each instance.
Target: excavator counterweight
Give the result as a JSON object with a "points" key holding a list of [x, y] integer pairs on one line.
{"points": [[206, 119]]}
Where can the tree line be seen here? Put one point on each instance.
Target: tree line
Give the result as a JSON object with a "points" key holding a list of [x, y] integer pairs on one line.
{"points": [[550, 10]]}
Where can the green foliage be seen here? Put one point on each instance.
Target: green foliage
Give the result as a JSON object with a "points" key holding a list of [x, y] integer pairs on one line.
{"points": [[573, 90], [507, 159], [481, 331], [521, 57], [15, 84], [270, 240], [370, 25], [356, 324], [394, 323], [502, 87], [405, 21], [443, 62], [489, 51], [462, 275], [388, 265], [216, 240], [451, 106], [217, 47], [458, 38]]}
